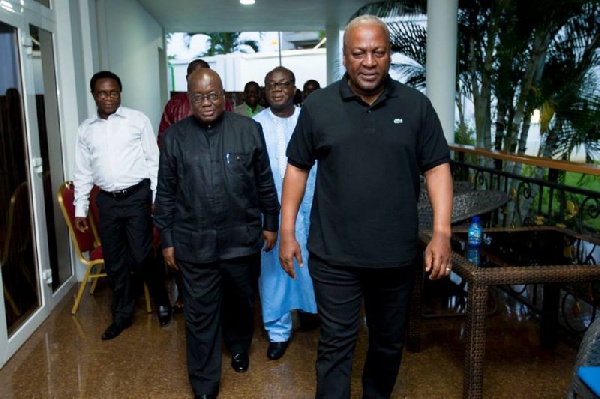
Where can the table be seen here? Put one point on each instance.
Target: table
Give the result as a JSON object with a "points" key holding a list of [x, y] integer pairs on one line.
{"points": [[525, 255], [466, 204]]}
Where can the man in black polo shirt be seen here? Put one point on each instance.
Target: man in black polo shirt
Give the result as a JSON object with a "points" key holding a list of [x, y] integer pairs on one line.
{"points": [[372, 137]]}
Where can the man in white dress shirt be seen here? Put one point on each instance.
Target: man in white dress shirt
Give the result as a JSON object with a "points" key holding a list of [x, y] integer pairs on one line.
{"points": [[116, 150]]}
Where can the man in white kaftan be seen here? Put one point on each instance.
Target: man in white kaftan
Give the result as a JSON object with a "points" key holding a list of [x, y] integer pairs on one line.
{"points": [[278, 292]]}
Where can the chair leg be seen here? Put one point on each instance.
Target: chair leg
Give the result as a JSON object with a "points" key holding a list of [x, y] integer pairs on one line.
{"points": [[95, 280], [11, 301], [147, 296], [81, 289]]}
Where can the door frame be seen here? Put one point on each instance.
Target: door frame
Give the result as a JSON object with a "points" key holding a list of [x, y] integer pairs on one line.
{"points": [[21, 18]]}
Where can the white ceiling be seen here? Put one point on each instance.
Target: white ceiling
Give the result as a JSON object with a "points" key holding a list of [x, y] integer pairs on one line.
{"points": [[263, 16]]}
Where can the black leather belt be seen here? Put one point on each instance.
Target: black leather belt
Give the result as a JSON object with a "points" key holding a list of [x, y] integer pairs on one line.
{"points": [[127, 191]]}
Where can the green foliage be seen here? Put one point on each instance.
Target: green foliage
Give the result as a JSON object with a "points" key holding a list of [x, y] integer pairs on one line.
{"points": [[228, 42], [464, 137], [515, 56], [587, 182], [572, 179]]}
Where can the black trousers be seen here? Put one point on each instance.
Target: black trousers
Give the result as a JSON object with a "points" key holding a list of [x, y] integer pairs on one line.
{"points": [[219, 301], [339, 292], [126, 234]]}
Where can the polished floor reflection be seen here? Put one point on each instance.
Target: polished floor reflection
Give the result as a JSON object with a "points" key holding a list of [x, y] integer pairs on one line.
{"points": [[66, 358]]}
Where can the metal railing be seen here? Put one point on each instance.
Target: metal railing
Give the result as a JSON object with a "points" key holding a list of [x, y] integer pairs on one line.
{"points": [[537, 195]]}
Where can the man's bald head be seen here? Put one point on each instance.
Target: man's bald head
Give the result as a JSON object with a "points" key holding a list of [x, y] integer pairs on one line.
{"points": [[206, 95], [196, 64]]}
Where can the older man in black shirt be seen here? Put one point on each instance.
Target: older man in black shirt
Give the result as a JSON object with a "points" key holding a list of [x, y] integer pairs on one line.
{"points": [[215, 206], [372, 137]]}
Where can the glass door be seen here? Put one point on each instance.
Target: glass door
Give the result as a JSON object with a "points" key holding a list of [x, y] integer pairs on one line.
{"points": [[18, 258], [50, 165], [35, 260]]}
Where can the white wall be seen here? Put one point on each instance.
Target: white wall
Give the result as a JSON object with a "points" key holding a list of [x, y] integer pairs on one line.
{"points": [[130, 40], [236, 69]]}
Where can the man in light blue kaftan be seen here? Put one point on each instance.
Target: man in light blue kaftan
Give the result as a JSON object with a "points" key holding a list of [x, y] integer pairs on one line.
{"points": [[278, 292]]}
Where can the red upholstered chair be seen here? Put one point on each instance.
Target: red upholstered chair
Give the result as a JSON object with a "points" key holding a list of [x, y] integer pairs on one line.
{"points": [[94, 212], [87, 244]]}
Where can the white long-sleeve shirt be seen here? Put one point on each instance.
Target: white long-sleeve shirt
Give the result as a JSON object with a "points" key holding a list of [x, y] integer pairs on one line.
{"points": [[114, 153]]}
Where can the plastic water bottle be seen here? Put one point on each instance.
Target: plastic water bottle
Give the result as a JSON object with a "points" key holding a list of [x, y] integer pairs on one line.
{"points": [[475, 233], [474, 256]]}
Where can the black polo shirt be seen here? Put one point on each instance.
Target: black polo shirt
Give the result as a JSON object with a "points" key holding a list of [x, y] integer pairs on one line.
{"points": [[365, 204]]}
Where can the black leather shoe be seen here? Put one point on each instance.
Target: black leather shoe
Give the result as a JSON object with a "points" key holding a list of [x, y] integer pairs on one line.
{"points": [[205, 396], [164, 315], [115, 329], [276, 350], [240, 362]]}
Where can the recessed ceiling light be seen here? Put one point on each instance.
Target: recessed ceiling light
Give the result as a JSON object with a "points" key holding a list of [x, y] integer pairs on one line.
{"points": [[247, 2]]}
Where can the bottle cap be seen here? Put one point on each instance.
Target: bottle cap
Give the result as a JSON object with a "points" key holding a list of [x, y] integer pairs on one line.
{"points": [[475, 219]]}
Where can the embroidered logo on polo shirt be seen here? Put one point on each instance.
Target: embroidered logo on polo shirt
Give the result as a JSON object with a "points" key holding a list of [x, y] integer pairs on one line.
{"points": [[398, 121]]}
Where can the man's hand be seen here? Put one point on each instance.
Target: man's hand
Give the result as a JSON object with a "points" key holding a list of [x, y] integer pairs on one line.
{"points": [[81, 224], [438, 254], [270, 238], [438, 257], [289, 249], [169, 256]]}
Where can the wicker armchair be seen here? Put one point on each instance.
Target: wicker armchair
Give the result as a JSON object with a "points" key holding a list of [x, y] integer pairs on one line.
{"points": [[588, 355]]}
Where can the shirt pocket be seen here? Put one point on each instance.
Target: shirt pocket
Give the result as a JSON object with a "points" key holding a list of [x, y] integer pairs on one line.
{"points": [[239, 175], [237, 162]]}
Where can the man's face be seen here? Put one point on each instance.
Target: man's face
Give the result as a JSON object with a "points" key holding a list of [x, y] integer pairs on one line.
{"points": [[251, 95], [205, 92], [309, 88], [280, 91], [367, 58], [107, 96]]}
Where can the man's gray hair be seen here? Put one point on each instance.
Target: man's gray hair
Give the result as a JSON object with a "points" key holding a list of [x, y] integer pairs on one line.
{"points": [[365, 20]]}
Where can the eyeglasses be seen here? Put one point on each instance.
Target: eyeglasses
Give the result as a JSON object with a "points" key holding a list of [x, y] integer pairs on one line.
{"points": [[103, 95], [285, 84], [199, 98]]}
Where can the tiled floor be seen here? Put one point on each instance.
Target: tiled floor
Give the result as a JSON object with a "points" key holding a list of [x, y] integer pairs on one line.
{"points": [[65, 358]]}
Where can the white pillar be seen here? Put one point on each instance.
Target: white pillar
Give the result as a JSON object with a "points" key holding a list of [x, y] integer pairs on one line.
{"points": [[442, 31], [334, 61]]}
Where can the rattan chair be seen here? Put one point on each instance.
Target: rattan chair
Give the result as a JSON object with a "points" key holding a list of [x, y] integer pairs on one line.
{"points": [[588, 355], [87, 245]]}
